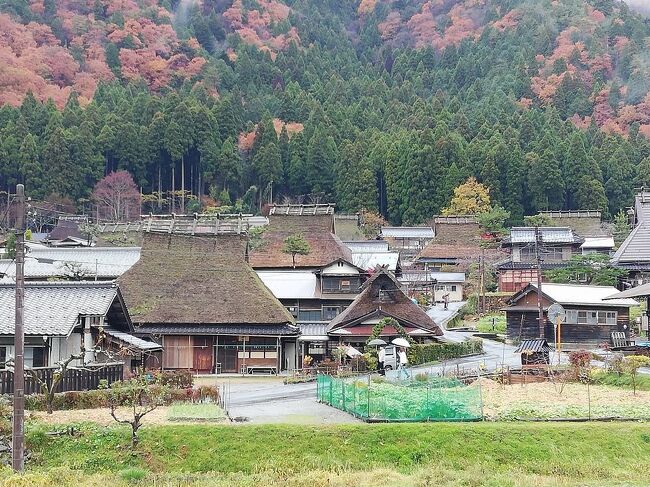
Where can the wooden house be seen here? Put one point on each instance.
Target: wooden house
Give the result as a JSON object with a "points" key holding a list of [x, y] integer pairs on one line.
{"points": [[61, 316], [590, 318], [381, 297], [558, 245], [200, 296], [322, 283]]}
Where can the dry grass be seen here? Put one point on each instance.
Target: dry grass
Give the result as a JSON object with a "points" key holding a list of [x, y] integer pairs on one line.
{"points": [[546, 400], [102, 416]]}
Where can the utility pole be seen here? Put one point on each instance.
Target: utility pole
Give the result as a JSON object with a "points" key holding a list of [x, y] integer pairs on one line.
{"points": [[538, 241], [18, 431], [483, 279]]}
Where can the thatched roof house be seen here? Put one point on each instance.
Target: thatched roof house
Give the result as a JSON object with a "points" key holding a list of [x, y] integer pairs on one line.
{"points": [[382, 297], [192, 290], [315, 223]]}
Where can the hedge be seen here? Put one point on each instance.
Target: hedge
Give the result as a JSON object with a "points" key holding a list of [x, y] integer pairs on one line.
{"points": [[99, 398], [421, 354]]}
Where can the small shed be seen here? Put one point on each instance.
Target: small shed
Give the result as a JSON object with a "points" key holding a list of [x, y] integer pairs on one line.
{"points": [[534, 352]]}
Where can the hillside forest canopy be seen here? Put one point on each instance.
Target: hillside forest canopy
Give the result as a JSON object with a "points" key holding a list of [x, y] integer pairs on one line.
{"points": [[383, 105]]}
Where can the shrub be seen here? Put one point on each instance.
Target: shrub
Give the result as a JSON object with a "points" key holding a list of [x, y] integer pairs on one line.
{"points": [[179, 379], [99, 398], [133, 474], [420, 354]]}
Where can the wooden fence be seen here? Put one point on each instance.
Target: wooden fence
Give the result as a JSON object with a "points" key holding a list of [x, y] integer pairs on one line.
{"points": [[74, 379]]}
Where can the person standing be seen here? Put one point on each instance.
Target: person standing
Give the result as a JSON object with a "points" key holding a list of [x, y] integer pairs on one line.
{"points": [[403, 362], [381, 355]]}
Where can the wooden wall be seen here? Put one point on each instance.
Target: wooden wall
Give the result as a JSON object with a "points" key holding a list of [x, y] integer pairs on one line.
{"points": [[523, 324]]}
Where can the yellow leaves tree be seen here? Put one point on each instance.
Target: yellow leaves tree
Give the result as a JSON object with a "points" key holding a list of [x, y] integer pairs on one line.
{"points": [[470, 198]]}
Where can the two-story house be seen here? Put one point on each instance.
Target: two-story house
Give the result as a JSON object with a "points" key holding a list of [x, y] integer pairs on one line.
{"points": [[556, 247]]}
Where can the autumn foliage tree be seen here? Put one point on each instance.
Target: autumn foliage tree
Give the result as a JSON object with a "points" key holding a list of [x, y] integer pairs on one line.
{"points": [[116, 197], [470, 198]]}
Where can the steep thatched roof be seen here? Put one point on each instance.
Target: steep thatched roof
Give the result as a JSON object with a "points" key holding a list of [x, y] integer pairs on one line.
{"points": [[381, 293], [318, 231], [198, 280]]}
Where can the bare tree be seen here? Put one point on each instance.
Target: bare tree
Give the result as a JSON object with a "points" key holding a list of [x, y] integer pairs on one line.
{"points": [[140, 398], [117, 197]]}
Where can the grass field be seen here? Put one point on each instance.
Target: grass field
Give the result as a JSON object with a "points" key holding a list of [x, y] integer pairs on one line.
{"points": [[489, 454], [195, 412]]}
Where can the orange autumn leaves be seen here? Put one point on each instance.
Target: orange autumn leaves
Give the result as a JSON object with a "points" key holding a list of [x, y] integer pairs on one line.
{"points": [[33, 59]]}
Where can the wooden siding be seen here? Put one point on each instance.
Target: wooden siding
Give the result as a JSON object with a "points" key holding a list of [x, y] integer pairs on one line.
{"points": [[523, 324]]}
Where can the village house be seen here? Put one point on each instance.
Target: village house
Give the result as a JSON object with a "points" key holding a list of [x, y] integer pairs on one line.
{"points": [[199, 296], [437, 287], [408, 241], [78, 263], [323, 282], [557, 246], [67, 233], [381, 297], [633, 255], [590, 317], [586, 223], [370, 254], [61, 316]]}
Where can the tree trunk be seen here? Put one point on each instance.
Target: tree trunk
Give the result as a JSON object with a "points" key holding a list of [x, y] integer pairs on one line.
{"points": [[159, 185], [135, 426], [173, 188], [183, 184]]}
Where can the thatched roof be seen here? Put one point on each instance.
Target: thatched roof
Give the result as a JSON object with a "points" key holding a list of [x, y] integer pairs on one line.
{"points": [[381, 293], [317, 230], [185, 280]]}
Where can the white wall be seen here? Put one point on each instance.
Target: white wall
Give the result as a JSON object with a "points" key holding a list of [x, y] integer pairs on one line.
{"points": [[61, 348], [339, 268]]}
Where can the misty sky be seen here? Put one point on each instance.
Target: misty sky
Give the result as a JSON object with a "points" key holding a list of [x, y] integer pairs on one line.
{"points": [[640, 5]]}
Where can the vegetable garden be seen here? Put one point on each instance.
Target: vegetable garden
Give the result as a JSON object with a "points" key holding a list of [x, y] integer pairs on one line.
{"points": [[421, 399]]}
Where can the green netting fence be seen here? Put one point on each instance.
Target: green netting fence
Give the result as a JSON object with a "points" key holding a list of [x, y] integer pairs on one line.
{"points": [[436, 399]]}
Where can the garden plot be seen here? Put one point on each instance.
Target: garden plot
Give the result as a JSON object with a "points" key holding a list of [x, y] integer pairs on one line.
{"points": [[547, 400]]}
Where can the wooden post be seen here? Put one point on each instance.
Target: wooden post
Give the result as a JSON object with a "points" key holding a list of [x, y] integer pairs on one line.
{"points": [[18, 432], [538, 238]]}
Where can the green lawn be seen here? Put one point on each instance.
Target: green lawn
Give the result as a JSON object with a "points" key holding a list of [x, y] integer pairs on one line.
{"points": [[492, 454], [195, 412], [484, 324]]}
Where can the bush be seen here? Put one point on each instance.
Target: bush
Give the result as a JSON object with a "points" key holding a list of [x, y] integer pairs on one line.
{"points": [[179, 379], [99, 398], [420, 354], [133, 474]]}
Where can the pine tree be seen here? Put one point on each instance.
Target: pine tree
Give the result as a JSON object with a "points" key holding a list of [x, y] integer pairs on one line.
{"points": [[268, 165], [321, 158], [60, 173], [30, 167], [618, 188], [229, 167]]}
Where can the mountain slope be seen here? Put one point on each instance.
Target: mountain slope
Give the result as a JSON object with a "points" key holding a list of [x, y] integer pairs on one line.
{"points": [[388, 104]]}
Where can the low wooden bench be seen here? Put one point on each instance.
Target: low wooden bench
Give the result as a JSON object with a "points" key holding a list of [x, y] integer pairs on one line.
{"points": [[271, 369]]}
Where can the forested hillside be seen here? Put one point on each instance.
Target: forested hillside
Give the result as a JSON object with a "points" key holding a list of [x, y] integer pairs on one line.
{"points": [[376, 104]]}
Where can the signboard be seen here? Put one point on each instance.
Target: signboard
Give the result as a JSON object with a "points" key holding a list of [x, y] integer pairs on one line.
{"points": [[556, 312]]}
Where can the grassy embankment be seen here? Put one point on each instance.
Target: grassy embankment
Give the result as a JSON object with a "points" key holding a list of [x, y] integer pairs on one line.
{"points": [[492, 454]]}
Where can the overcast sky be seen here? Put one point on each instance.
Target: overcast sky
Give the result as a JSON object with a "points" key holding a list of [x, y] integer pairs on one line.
{"points": [[640, 5]]}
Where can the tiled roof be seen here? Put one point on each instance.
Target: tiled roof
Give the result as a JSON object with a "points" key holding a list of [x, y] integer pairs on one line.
{"points": [[580, 295], [132, 341], [325, 247], [67, 228], [230, 329], [407, 232], [53, 308], [598, 243], [198, 280], [370, 260], [424, 276], [382, 293], [636, 247], [534, 345], [549, 235], [313, 330], [367, 245]]}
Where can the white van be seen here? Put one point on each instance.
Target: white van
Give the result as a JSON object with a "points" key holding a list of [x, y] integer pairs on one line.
{"points": [[390, 357]]}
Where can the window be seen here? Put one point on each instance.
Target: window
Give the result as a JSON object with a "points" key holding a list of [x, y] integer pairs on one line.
{"points": [[309, 315], [35, 356], [336, 284], [527, 254], [3, 356], [453, 288], [330, 312], [552, 254], [588, 317]]}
